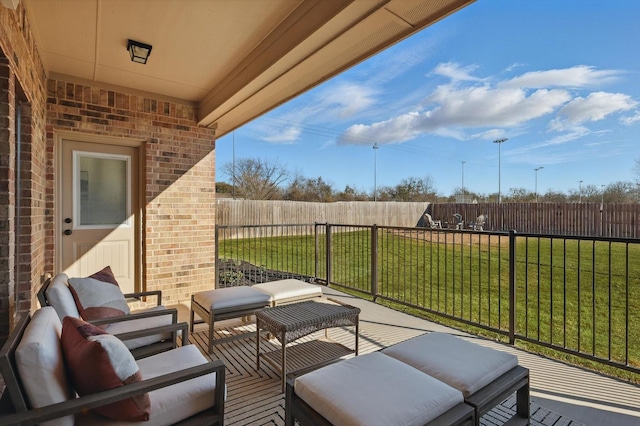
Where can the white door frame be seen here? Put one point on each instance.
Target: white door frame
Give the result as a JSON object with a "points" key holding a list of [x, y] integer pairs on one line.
{"points": [[59, 136]]}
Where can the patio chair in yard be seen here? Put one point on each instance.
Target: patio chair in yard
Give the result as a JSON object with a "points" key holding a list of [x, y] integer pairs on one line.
{"points": [[430, 223], [459, 222], [46, 364], [478, 225], [94, 301]]}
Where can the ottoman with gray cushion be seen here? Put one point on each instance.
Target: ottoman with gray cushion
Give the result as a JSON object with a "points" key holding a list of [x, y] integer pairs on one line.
{"points": [[226, 303], [373, 389], [236, 302], [289, 291], [485, 376]]}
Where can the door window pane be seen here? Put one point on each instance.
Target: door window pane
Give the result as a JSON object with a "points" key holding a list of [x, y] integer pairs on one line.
{"points": [[101, 190]]}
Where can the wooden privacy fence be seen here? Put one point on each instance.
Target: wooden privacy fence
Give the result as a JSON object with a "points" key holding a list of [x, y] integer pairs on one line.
{"points": [[583, 219], [275, 212]]}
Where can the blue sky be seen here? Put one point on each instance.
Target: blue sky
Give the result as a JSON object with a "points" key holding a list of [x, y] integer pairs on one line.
{"points": [[559, 78]]}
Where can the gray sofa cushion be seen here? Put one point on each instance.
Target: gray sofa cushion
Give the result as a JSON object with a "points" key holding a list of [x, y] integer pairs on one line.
{"points": [[375, 389], [463, 365]]}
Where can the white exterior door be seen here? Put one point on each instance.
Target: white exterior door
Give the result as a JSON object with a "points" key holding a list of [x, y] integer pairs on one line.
{"points": [[99, 204]]}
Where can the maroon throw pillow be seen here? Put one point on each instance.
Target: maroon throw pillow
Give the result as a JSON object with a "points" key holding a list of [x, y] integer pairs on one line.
{"points": [[97, 361], [98, 296]]}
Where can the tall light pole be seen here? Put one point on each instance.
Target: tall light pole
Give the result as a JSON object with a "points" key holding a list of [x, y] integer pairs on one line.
{"points": [[536, 170], [499, 142], [375, 184], [602, 211], [580, 189], [463, 197], [234, 164]]}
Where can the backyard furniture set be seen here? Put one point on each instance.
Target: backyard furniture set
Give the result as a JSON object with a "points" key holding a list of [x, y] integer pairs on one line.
{"points": [[285, 309], [458, 222], [434, 379]]}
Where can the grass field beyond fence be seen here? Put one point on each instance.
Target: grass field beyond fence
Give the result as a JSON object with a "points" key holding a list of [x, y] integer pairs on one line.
{"points": [[574, 295]]}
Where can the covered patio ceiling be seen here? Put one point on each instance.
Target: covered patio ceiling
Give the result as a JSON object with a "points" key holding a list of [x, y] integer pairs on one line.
{"points": [[233, 59]]}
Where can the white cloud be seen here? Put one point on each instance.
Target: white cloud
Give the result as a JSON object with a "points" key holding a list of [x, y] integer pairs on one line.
{"points": [[330, 105], [286, 135], [397, 129], [455, 72], [467, 107], [595, 107], [469, 102], [632, 119], [574, 77], [347, 99], [487, 106]]}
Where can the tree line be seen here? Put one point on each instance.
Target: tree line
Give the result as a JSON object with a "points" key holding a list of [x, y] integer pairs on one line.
{"points": [[258, 179]]}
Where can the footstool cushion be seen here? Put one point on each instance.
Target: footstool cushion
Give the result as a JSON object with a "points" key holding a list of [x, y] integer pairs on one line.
{"points": [[226, 303], [289, 290], [463, 365], [229, 299], [375, 389]]}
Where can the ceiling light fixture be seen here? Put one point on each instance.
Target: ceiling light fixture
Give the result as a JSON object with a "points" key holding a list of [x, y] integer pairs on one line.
{"points": [[139, 52]]}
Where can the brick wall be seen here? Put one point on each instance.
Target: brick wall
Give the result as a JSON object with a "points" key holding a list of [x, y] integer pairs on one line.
{"points": [[22, 82], [179, 177], [179, 173]]}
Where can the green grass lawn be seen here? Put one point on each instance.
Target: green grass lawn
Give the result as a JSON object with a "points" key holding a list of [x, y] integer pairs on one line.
{"points": [[582, 296]]}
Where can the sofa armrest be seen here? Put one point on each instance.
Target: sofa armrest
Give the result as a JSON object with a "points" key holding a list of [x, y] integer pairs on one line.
{"points": [[140, 294], [182, 327], [78, 405], [138, 315]]}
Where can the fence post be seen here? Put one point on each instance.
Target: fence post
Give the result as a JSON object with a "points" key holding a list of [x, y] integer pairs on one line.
{"points": [[512, 287], [374, 261], [328, 254]]}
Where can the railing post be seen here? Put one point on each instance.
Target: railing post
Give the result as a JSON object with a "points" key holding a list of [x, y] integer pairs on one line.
{"points": [[374, 261], [512, 287], [217, 257], [328, 254], [315, 252]]}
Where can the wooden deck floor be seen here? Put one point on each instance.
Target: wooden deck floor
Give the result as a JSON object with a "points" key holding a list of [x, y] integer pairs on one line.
{"points": [[255, 397]]}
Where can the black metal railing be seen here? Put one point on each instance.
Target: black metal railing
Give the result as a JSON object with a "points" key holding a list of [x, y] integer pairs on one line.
{"points": [[578, 295]]}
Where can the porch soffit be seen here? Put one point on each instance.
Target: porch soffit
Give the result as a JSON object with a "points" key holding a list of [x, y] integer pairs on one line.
{"points": [[235, 59]]}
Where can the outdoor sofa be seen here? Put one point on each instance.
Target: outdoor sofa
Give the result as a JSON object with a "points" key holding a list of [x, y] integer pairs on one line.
{"points": [[45, 363], [429, 379]]}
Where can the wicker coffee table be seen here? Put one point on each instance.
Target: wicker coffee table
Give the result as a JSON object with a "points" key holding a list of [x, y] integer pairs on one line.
{"points": [[293, 321]]}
